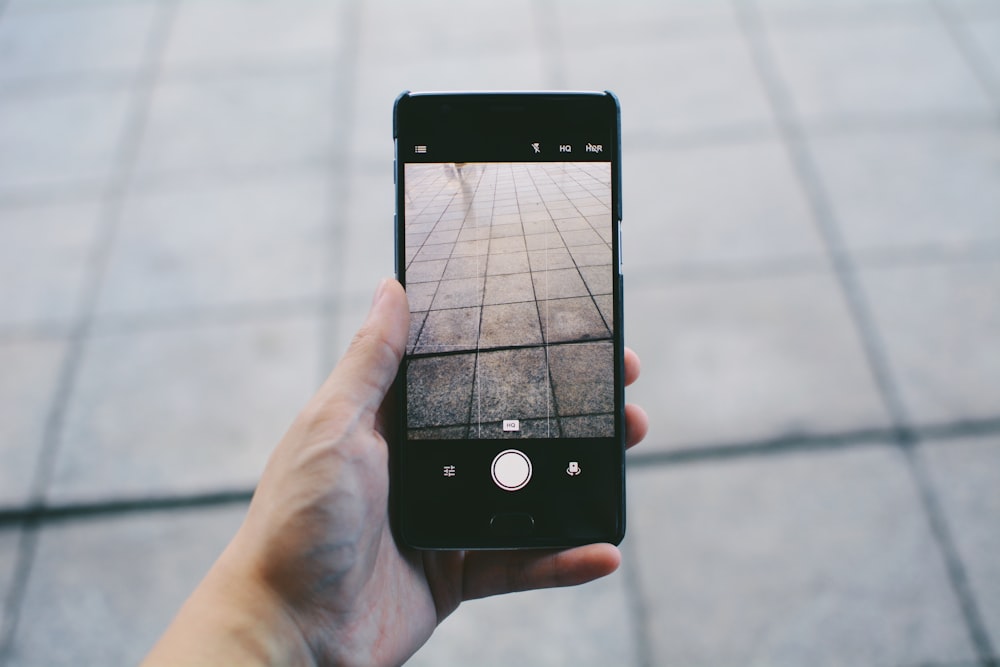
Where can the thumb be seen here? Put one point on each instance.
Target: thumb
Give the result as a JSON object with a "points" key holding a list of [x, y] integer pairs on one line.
{"points": [[368, 367]]}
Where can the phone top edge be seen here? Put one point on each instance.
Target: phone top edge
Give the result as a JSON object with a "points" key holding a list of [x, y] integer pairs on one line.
{"points": [[395, 112], [429, 93]]}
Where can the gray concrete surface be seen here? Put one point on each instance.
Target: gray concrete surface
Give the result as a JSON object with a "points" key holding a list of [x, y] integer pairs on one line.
{"points": [[196, 204]]}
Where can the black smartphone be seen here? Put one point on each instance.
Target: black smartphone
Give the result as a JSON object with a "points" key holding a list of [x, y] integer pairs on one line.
{"points": [[511, 423]]}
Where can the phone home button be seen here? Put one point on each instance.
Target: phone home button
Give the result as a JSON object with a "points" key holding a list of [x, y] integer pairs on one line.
{"points": [[512, 524], [511, 470]]}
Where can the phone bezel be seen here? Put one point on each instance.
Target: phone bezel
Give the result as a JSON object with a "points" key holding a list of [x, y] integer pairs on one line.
{"points": [[453, 120]]}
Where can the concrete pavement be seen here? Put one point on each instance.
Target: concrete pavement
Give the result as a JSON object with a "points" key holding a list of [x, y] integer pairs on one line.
{"points": [[196, 204]]}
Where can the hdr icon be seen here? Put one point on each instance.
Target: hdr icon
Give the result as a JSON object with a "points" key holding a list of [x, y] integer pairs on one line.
{"points": [[595, 148]]}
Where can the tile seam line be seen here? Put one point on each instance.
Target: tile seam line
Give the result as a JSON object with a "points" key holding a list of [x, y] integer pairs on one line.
{"points": [[958, 31], [111, 202], [41, 513], [793, 135], [927, 435]]}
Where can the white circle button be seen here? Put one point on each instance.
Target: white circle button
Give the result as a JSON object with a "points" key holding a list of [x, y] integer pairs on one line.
{"points": [[511, 470]]}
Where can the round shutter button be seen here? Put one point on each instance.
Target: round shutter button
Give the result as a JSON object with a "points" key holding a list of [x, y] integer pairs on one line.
{"points": [[511, 470]]}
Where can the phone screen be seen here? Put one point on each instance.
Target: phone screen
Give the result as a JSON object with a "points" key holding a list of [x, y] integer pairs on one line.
{"points": [[507, 244], [509, 274]]}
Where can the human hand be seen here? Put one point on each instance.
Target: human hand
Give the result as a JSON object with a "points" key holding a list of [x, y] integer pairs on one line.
{"points": [[314, 575]]}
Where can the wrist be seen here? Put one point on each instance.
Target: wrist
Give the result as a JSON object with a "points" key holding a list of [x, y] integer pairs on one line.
{"points": [[232, 617]]}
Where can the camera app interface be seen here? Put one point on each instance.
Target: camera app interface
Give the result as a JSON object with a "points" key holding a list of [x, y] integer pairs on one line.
{"points": [[509, 273]]}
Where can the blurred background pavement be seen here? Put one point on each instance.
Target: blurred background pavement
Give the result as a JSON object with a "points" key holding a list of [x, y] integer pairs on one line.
{"points": [[196, 205]]}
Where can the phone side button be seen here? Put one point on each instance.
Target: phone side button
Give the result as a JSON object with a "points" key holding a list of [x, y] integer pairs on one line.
{"points": [[512, 524]]}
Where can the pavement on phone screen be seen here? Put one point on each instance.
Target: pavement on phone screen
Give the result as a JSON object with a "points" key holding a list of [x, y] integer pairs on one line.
{"points": [[196, 204]]}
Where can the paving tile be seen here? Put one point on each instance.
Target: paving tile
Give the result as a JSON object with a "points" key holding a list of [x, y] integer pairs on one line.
{"points": [[821, 558], [965, 475], [939, 326], [894, 189], [429, 271], [974, 9], [27, 387], [599, 279], [45, 260], [510, 324], [431, 251], [182, 410], [509, 289], [587, 427], [559, 284], [238, 122], [875, 68], [799, 12], [461, 293], [108, 588], [506, 263], [507, 244], [700, 85], [589, 255], [581, 23], [466, 267], [74, 40], [732, 361], [556, 258], [511, 384], [438, 390], [421, 295], [60, 138], [712, 205], [548, 241], [583, 377], [229, 32], [440, 433], [571, 320], [259, 242], [456, 29], [480, 247], [442, 236], [446, 330], [585, 625]]}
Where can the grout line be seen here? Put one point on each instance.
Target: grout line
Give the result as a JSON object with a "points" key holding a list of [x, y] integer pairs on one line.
{"points": [[15, 596], [764, 447], [90, 290], [111, 218], [953, 563], [40, 512], [822, 209], [902, 435], [970, 51], [927, 434]]}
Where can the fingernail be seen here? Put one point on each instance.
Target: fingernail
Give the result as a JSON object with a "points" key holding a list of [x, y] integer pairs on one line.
{"points": [[379, 291]]}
